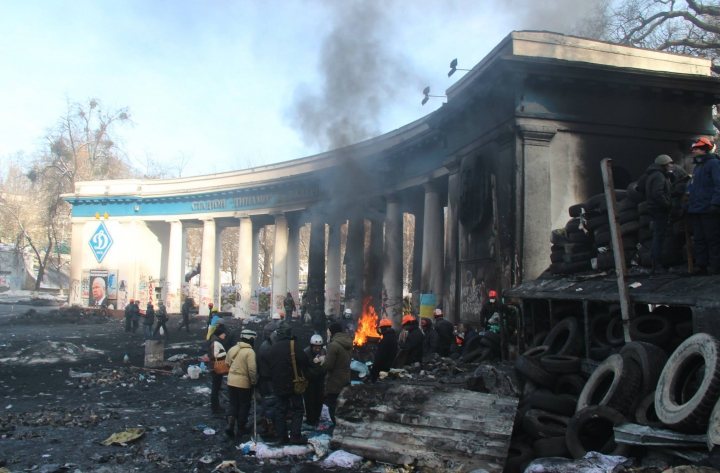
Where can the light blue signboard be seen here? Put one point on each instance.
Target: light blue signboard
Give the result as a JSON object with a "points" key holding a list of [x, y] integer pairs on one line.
{"points": [[100, 242]]}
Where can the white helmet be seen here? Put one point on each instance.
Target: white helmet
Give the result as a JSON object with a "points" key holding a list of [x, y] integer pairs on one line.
{"points": [[348, 313], [316, 340], [276, 316]]}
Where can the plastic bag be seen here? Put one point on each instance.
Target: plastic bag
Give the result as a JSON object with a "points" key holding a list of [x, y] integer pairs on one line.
{"points": [[360, 368], [592, 462], [193, 371], [341, 459]]}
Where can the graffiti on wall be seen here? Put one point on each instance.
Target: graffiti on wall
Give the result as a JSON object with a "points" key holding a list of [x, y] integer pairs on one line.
{"points": [[475, 282]]}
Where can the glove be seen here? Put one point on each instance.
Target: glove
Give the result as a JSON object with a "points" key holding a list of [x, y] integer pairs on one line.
{"points": [[715, 210]]}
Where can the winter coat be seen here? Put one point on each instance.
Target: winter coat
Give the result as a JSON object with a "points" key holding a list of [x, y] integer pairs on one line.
{"points": [[185, 309], [149, 316], [348, 325], [135, 313], [269, 328], [386, 353], [162, 314], [704, 187], [446, 335], [488, 310], [469, 335], [413, 344], [431, 342], [289, 304], [315, 372], [129, 310], [337, 362], [281, 365], [243, 370], [657, 189], [264, 369]]}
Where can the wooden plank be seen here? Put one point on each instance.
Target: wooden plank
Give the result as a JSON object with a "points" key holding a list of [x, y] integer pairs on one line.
{"points": [[428, 426], [617, 244]]}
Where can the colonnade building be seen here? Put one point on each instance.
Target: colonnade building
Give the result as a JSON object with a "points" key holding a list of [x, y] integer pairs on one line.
{"points": [[529, 125]]}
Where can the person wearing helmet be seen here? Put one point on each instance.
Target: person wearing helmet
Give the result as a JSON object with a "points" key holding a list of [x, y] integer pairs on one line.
{"points": [[283, 374], [387, 349], [315, 374], [658, 194], [704, 207], [431, 339], [347, 323], [411, 340], [212, 312], [128, 315], [337, 366], [491, 307], [445, 331], [241, 380]]}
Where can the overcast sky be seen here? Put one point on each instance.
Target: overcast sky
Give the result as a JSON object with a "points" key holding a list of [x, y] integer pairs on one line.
{"points": [[234, 83]]}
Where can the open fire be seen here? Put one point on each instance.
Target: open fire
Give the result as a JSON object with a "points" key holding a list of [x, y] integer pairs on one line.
{"points": [[367, 324]]}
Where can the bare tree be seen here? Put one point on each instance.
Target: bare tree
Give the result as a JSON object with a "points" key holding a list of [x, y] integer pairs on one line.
{"points": [[229, 255]]}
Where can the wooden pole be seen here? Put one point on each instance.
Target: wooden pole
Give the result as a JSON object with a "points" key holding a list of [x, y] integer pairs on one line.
{"points": [[617, 244], [498, 265]]}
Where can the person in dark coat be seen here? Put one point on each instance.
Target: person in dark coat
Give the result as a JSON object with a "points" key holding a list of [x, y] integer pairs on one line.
{"points": [[289, 304], [129, 309], [283, 375], [315, 374], [319, 322], [468, 333], [387, 350], [337, 366], [148, 321], [411, 339], [445, 331], [658, 195], [217, 348], [704, 207], [490, 308], [162, 318], [136, 316], [185, 311], [268, 399], [431, 339], [268, 330]]}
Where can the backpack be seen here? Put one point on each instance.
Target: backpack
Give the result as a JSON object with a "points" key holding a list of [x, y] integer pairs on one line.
{"points": [[300, 383]]}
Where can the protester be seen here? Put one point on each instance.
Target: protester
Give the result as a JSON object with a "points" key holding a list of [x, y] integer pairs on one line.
{"points": [[347, 323], [283, 374], [242, 378], [214, 322], [387, 350], [148, 322], [136, 316], [704, 207], [162, 318], [337, 365], [491, 307], [289, 304], [129, 309], [431, 339], [315, 374], [445, 331], [268, 399], [187, 306], [411, 339], [468, 333], [212, 312], [217, 350], [658, 195]]}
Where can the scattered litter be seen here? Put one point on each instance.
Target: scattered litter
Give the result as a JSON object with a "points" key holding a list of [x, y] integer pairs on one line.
{"points": [[209, 431], [9, 406], [635, 285], [178, 357], [177, 371], [201, 390], [228, 466], [360, 368], [578, 289], [321, 445], [193, 371], [123, 438], [325, 413], [592, 462], [47, 352], [341, 459], [247, 448], [75, 374], [263, 451], [207, 459]]}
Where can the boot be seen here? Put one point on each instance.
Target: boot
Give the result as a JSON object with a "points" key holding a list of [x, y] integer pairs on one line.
{"points": [[658, 269], [299, 440], [230, 429], [269, 428]]}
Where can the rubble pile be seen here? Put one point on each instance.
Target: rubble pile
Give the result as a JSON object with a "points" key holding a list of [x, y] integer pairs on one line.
{"points": [[435, 368], [84, 416], [110, 378]]}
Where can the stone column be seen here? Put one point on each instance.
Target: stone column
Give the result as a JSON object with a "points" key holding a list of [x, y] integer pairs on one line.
{"points": [[217, 298], [207, 266], [175, 265], [316, 266], [255, 285], [77, 244], [392, 262], [244, 268], [279, 275], [432, 252], [417, 262], [293, 260], [374, 275], [452, 241], [536, 196], [355, 264], [332, 291]]}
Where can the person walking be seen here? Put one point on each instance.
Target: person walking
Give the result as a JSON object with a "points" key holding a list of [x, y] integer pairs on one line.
{"points": [[446, 332], [283, 366], [128, 315], [658, 195], [704, 207], [337, 366], [188, 304], [162, 318], [268, 399], [387, 349], [242, 378], [148, 321], [289, 304], [315, 374]]}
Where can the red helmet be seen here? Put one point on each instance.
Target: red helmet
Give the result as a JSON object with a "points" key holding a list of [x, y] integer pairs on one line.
{"points": [[702, 142], [132, 300], [385, 322], [408, 319], [210, 304], [492, 294]]}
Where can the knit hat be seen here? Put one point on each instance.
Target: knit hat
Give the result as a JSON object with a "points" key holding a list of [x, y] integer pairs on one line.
{"points": [[335, 328]]}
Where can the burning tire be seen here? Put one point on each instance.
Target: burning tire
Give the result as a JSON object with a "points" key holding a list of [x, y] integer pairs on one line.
{"points": [[689, 385], [591, 429], [614, 383]]}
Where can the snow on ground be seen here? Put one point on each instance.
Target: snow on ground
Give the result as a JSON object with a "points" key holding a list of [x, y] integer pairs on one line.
{"points": [[16, 296]]}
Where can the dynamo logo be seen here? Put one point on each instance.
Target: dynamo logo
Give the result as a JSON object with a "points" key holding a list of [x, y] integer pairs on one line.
{"points": [[100, 242]]}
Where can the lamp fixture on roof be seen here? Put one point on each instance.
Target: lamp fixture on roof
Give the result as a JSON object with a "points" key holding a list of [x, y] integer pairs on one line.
{"points": [[453, 67], [426, 93]]}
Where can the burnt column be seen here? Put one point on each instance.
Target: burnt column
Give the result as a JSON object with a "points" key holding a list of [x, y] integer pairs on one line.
{"points": [[451, 241], [392, 262], [374, 268], [316, 266], [432, 252], [332, 295], [417, 262], [354, 265]]}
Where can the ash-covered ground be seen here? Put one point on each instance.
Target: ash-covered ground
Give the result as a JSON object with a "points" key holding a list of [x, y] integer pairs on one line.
{"points": [[51, 421]]}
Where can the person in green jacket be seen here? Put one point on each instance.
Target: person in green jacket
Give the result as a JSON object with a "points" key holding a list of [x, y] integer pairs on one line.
{"points": [[337, 366]]}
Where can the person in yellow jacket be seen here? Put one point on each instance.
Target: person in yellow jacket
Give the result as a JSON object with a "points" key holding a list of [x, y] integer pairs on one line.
{"points": [[242, 377]]}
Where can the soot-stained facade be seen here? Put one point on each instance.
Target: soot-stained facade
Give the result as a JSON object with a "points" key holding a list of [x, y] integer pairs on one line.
{"points": [[536, 116]]}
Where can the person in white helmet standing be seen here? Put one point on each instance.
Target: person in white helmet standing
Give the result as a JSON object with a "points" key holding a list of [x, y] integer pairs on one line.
{"points": [[313, 395], [347, 323]]}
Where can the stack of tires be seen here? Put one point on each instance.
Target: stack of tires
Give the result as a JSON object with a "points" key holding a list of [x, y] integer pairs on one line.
{"points": [[563, 413]]}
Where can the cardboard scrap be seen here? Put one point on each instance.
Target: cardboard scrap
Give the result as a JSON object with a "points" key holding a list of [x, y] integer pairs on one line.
{"points": [[123, 438]]}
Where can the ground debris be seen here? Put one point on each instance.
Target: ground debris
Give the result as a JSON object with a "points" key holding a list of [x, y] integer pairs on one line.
{"points": [[122, 438], [82, 416]]}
